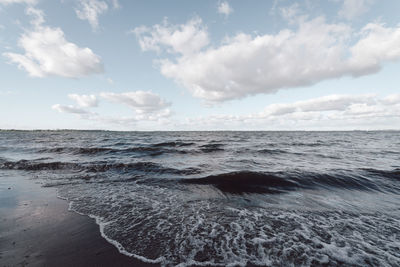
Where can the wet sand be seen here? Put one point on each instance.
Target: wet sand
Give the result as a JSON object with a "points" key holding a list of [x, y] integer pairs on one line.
{"points": [[36, 229]]}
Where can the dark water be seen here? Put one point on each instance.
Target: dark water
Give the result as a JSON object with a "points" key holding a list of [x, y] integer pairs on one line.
{"points": [[226, 198]]}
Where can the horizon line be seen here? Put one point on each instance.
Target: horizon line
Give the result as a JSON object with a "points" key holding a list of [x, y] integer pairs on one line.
{"points": [[105, 130]]}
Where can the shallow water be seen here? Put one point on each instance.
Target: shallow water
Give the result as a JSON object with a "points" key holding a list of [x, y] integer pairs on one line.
{"points": [[226, 198]]}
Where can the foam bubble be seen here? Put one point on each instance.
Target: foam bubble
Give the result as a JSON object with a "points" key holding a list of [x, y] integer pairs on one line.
{"points": [[174, 227]]}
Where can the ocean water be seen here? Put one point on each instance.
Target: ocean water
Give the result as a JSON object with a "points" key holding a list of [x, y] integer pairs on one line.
{"points": [[226, 198]]}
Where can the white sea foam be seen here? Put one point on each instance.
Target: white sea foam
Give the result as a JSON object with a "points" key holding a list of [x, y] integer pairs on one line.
{"points": [[173, 227], [102, 224]]}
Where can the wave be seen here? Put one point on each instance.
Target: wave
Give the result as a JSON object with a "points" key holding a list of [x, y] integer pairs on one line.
{"points": [[152, 150], [318, 143], [173, 144], [96, 167], [77, 150], [393, 174], [29, 165], [245, 182], [209, 148], [277, 152], [280, 182], [239, 182], [272, 151]]}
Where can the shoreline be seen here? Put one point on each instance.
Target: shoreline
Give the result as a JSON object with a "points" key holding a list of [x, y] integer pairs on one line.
{"points": [[38, 229]]}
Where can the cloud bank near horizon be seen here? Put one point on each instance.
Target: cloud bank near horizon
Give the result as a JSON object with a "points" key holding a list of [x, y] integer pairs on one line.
{"points": [[326, 112]]}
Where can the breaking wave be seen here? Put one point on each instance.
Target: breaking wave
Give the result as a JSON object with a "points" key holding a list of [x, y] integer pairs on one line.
{"points": [[253, 182]]}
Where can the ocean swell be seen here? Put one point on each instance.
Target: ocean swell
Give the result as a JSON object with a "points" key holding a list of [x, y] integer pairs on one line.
{"points": [[256, 182]]}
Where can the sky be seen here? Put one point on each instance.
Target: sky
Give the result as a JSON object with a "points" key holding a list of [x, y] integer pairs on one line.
{"points": [[200, 65]]}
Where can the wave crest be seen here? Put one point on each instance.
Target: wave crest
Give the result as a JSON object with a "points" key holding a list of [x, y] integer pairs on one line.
{"points": [[280, 182]]}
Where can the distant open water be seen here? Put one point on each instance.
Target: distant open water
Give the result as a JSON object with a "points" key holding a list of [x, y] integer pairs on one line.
{"points": [[226, 198]]}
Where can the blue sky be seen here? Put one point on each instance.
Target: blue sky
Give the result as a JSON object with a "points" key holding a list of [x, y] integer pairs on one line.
{"points": [[200, 65]]}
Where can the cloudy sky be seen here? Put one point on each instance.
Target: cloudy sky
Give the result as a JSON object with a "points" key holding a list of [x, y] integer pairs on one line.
{"points": [[200, 65]]}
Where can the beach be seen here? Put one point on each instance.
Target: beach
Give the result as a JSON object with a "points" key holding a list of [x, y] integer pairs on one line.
{"points": [[37, 229]]}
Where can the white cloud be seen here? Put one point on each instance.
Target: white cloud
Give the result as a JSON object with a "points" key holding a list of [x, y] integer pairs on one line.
{"points": [[69, 109], [248, 65], [85, 101], [37, 14], [354, 8], [90, 10], [377, 44], [325, 103], [338, 108], [47, 52], [332, 112], [133, 120], [121, 121], [290, 13], [392, 99], [147, 106], [224, 8], [184, 39], [7, 2], [142, 102]]}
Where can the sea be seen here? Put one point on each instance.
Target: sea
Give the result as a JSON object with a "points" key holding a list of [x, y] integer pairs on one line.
{"points": [[226, 198]]}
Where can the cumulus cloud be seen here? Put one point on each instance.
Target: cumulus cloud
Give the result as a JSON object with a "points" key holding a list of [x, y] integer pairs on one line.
{"points": [[69, 109], [142, 102], [331, 112], [341, 107], [90, 10], [137, 118], [37, 14], [7, 2], [85, 101], [224, 8], [325, 103], [291, 13], [353, 8], [184, 39], [47, 52], [393, 99], [247, 65], [377, 44], [147, 106], [327, 112]]}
